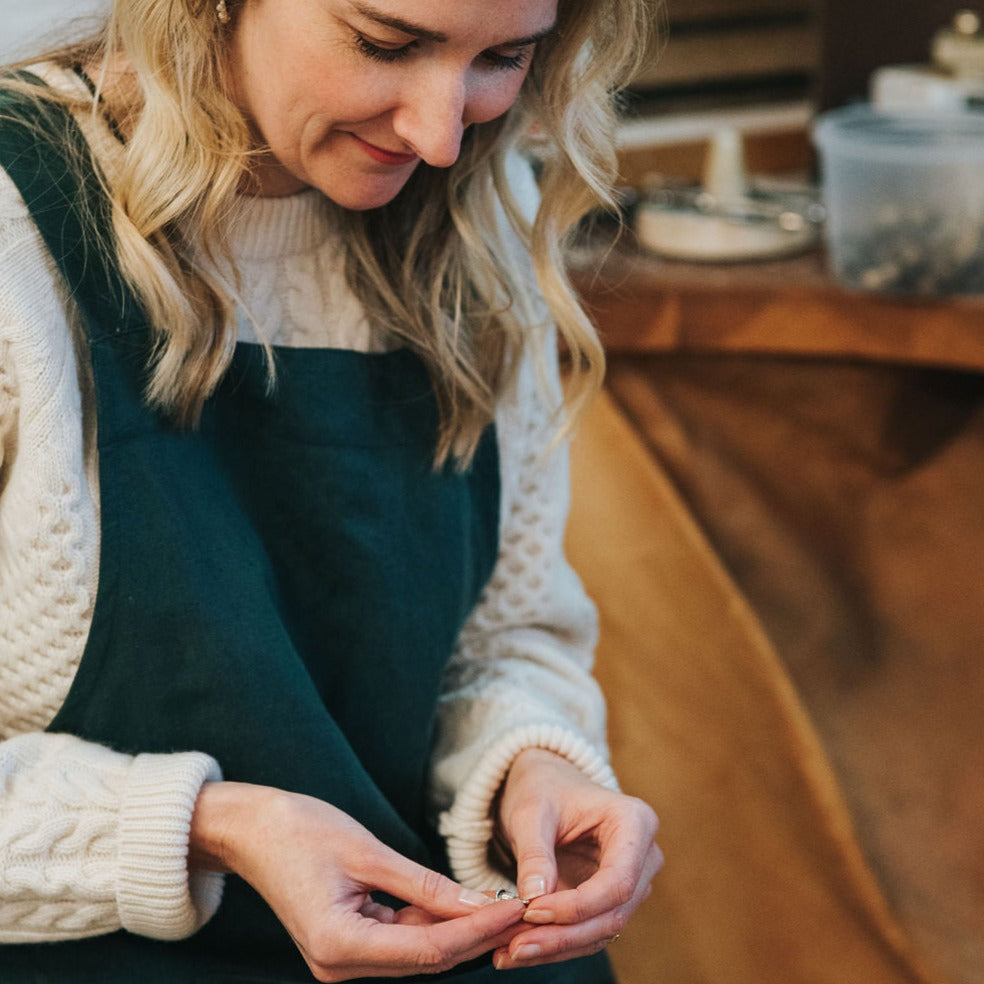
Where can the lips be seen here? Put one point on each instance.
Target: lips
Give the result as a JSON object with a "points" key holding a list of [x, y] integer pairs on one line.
{"points": [[383, 156]]}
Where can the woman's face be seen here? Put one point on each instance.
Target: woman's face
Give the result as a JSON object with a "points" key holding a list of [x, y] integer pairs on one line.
{"points": [[351, 95]]}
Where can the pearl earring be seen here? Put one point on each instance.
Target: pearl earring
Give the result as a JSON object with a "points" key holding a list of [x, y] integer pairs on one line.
{"points": [[222, 12]]}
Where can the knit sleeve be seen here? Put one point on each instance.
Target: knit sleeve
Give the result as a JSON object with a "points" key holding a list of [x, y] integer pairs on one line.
{"points": [[91, 841], [521, 674]]}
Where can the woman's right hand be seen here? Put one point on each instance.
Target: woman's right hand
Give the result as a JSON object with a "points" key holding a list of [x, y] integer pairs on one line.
{"points": [[316, 866]]}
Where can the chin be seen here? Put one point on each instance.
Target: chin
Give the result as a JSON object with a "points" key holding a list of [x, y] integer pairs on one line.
{"points": [[360, 203], [364, 195]]}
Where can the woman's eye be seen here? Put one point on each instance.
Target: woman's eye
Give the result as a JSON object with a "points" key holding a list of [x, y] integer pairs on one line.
{"points": [[389, 52], [382, 52], [515, 60]]}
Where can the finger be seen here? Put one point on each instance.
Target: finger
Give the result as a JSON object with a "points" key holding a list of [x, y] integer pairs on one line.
{"points": [[462, 937], [606, 891], [503, 960], [429, 890], [563, 942], [628, 857], [413, 915], [372, 949], [374, 910]]}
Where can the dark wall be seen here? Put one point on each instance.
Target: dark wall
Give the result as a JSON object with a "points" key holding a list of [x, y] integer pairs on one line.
{"points": [[858, 36]]}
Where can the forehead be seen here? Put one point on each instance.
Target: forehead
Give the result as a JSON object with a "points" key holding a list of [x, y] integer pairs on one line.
{"points": [[454, 20]]}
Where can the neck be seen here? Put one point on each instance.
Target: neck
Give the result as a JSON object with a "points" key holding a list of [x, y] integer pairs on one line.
{"points": [[114, 83]]}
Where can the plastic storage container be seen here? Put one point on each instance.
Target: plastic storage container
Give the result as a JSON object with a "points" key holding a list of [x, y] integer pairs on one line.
{"points": [[904, 196]]}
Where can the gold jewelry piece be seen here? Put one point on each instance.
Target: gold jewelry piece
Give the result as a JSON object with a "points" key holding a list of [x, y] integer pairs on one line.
{"points": [[222, 12], [613, 939]]}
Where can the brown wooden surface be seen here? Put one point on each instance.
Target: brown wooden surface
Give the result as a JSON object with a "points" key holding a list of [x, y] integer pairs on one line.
{"points": [[791, 307]]}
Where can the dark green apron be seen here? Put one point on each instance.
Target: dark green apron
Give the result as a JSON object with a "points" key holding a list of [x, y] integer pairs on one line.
{"points": [[280, 588]]}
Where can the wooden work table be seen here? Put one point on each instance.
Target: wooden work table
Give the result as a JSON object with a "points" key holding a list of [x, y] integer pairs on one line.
{"points": [[784, 307]]}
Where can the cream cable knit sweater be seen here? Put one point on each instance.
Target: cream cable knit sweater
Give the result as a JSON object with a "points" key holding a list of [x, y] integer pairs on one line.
{"points": [[92, 840]]}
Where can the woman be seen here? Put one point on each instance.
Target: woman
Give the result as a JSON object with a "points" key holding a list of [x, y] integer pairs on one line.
{"points": [[282, 499]]}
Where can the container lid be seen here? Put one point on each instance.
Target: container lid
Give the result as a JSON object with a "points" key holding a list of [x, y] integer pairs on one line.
{"points": [[864, 131]]}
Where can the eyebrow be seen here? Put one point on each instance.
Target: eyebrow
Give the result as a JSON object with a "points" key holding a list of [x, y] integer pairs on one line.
{"points": [[426, 34]]}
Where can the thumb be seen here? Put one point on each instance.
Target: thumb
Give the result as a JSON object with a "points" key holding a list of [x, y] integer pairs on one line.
{"points": [[536, 862], [422, 887]]}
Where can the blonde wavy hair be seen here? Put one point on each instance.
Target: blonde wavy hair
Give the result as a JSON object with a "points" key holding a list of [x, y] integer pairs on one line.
{"points": [[433, 267]]}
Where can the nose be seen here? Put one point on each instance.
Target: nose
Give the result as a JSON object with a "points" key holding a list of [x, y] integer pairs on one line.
{"points": [[431, 116]]}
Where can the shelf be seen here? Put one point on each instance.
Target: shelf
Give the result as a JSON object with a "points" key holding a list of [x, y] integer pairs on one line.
{"points": [[788, 307]]}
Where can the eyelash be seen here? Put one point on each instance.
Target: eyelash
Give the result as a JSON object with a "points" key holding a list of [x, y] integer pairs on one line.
{"points": [[390, 55]]}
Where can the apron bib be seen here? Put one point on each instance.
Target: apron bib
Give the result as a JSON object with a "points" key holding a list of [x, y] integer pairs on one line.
{"points": [[280, 588]]}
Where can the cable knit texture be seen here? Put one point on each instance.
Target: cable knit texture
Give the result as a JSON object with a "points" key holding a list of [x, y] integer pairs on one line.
{"points": [[521, 674], [48, 535], [93, 840], [90, 840]]}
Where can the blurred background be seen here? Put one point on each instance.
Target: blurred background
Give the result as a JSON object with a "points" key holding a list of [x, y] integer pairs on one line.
{"points": [[766, 67], [21, 23]]}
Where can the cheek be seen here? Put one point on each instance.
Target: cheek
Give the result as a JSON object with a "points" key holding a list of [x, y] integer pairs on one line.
{"points": [[494, 97], [285, 67]]}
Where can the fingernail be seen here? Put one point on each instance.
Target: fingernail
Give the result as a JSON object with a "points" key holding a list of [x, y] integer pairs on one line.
{"points": [[500, 961], [533, 886], [470, 897], [528, 951], [540, 916]]}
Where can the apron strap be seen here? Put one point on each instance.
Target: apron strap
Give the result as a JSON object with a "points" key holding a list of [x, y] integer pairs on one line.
{"points": [[47, 157]]}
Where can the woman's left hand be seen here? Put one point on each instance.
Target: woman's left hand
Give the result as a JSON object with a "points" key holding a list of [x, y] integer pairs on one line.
{"points": [[584, 854]]}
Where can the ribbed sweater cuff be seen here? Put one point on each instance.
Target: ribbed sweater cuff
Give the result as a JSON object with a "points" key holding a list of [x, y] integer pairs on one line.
{"points": [[155, 895], [468, 827]]}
